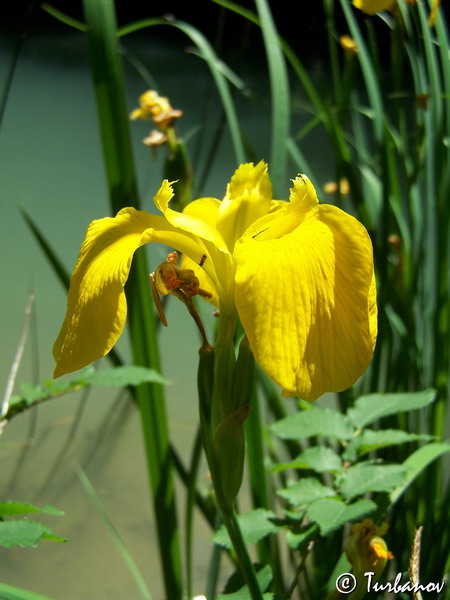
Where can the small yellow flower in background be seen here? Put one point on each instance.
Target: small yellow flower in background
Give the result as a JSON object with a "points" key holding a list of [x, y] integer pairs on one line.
{"points": [[433, 13], [348, 44], [371, 7], [156, 107], [155, 138], [299, 276], [331, 187], [367, 551]]}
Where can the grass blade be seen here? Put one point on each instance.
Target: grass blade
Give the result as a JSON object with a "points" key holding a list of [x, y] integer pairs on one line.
{"points": [[123, 550], [279, 89]]}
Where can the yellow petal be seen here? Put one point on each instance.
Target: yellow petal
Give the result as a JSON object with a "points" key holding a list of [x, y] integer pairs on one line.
{"points": [[286, 216], [192, 224], [307, 302], [217, 273], [248, 197], [96, 305], [371, 7]]}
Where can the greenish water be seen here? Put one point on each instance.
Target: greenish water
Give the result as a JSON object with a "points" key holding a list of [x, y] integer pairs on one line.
{"points": [[50, 165]]}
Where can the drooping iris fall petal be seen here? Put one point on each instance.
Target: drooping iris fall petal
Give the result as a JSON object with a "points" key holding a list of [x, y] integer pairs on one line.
{"points": [[96, 304], [306, 298]]}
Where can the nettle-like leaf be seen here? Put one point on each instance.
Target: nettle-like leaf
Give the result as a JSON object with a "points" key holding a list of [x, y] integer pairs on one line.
{"points": [[417, 462], [115, 377], [300, 541], [318, 458], [123, 376], [370, 408], [370, 440], [333, 513], [313, 422], [23, 532], [255, 525], [306, 491], [11, 509], [368, 477]]}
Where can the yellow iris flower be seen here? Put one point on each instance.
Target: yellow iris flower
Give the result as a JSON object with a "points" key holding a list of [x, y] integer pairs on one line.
{"points": [[372, 7], [298, 275], [367, 552]]}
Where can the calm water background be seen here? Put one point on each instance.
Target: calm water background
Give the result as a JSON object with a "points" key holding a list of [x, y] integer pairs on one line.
{"points": [[51, 165]]}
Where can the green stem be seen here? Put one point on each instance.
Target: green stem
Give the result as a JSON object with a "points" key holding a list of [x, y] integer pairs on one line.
{"points": [[242, 556], [223, 435]]}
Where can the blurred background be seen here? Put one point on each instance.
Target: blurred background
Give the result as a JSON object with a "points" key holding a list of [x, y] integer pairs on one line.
{"points": [[51, 168]]}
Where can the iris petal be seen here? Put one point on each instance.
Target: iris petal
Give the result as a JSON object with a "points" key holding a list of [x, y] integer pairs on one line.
{"points": [[372, 7], [96, 305], [307, 302], [248, 197], [192, 224]]}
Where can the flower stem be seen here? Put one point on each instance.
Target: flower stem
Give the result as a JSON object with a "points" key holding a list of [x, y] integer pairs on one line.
{"points": [[242, 557], [222, 436]]}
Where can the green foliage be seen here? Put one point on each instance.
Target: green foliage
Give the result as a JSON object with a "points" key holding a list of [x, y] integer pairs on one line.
{"points": [[10, 509], [305, 491], [418, 461], [332, 513], [309, 423], [367, 477], [320, 459], [254, 525], [122, 376], [388, 131], [24, 532], [234, 590], [9, 592], [372, 407], [344, 476], [369, 440]]}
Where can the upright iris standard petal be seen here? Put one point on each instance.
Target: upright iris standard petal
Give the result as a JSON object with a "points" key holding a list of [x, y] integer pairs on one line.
{"points": [[306, 300], [248, 197]]}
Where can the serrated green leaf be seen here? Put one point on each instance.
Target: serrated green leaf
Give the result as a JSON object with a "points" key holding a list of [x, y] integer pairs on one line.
{"points": [[299, 541], [9, 508], [317, 421], [31, 392], [9, 592], [124, 375], [306, 491], [331, 513], [264, 578], [366, 477], [254, 525], [372, 407], [22, 532], [417, 462], [320, 458], [373, 440]]}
